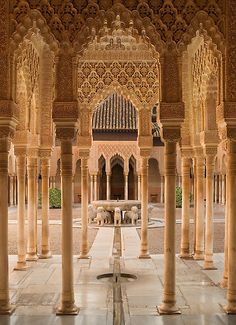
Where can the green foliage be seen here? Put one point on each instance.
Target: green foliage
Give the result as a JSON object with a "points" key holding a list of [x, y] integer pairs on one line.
{"points": [[179, 197], [54, 198]]}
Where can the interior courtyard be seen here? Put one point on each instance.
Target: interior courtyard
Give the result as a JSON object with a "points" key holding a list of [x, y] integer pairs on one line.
{"points": [[118, 162]]}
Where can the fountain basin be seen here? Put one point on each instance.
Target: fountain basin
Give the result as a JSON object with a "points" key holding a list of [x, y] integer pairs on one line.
{"points": [[110, 205]]}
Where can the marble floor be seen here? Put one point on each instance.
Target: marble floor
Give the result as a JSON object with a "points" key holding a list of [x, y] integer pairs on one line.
{"points": [[36, 292]]}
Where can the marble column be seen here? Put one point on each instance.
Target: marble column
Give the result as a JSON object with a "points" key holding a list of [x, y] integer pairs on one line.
{"points": [[11, 186], [108, 186], [84, 207], [216, 188], [208, 258], [67, 304], [5, 307], [91, 188], [220, 189], [144, 209], [139, 187], [14, 190], [45, 172], [32, 237], [199, 253], [223, 190], [162, 189], [95, 187], [195, 203], [184, 253], [126, 187], [21, 172], [224, 281], [231, 196], [168, 305]]}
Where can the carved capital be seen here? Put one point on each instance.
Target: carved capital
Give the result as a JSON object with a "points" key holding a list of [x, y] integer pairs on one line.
{"points": [[20, 151], [65, 110], [84, 142], [170, 134], [84, 153], [186, 152], [65, 133], [33, 152], [198, 152], [45, 153], [145, 152], [171, 114]]}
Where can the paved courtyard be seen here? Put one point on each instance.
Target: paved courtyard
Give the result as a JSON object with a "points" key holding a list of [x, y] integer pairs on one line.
{"points": [[36, 292]]}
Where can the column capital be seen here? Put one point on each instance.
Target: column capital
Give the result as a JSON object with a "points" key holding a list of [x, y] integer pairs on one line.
{"points": [[198, 152], [45, 153], [170, 134], [186, 152], [33, 152], [145, 152], [20, 151], [84, 153]]}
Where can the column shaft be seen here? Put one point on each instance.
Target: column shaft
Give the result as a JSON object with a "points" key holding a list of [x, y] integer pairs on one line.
{"points": [[126, 187], [45, 172], [5, 307], [210, 164], [84, 208], [31, 245], [216, 188], [21, 171], [185, 207], [223, 190], [220, 189], [91, 188], [139, 187], [95, 187], [199, 253], [67, 305], [144, 209], [169, 297], [231, 178], [162, 189], [224, 281], [108, 187]]}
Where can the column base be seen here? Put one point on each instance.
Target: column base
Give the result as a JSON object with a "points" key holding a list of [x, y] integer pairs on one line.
{"points": [[31, 257], [21, 266], [198, 256], [209, 265], [84, 257], [224, 283], [45, 255], [67, 309], [168, 309], [185, 255], [6, 309], [144, 256], [230, 309]]}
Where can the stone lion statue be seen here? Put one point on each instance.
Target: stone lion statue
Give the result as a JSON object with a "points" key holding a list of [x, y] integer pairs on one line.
{"points": [[117, 216]]}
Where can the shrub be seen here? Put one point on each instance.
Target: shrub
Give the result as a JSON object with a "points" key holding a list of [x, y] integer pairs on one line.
{"points": [[54, 198], [179, 197]]}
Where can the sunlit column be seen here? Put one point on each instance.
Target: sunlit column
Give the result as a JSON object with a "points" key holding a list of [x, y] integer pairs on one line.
{"points": [[185, 207], [144, 208], [168, 305], [199, 253], [45, 172], [5, 307], [108, 186], [208, 259], [139, 187], [67, 304], [31, 245], [126, 186], [84, 205], [21, 172]]}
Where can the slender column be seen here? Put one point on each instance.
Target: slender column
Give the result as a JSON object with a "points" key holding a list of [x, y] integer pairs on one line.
{"points": [[199, 253], [139, 187], [208, 260], [185, 207], [216, 188], [11, 190], [67, 305], [220, 189], [45, 172], [95, 187], [223, 190], [126, 187], [224, 281], [168, 305], [5, 307], [14, 190], [31, 246], [195, 203], [108, 186], [36, 181], [84, 208], [21, 171], [162, 189], [91, 188], [144, 209], [231, 179]]}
